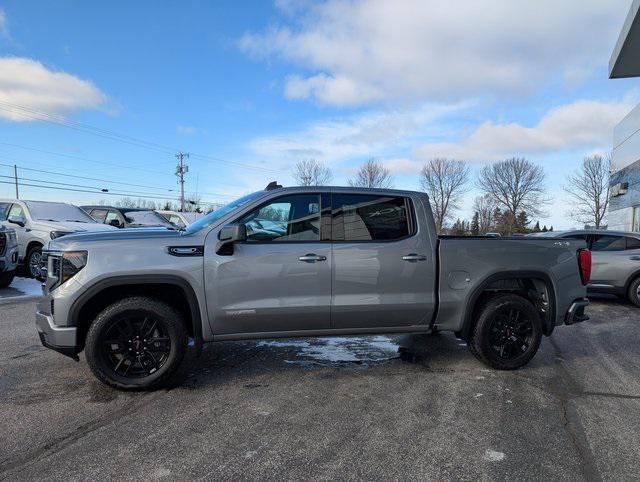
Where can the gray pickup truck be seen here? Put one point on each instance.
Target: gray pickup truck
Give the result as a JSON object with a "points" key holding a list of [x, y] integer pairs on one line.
{"points": [[304, 261]]}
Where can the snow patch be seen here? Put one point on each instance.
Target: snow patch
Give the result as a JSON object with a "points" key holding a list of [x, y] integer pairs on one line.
{"points": [[493, 456], [21, 288], [341, 349]]}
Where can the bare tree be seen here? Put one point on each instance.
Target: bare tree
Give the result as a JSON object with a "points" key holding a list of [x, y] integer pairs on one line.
{"points": [[516, 184], [485, 206], [312, 173], [445, 181], [589, 190], [372, 174]]}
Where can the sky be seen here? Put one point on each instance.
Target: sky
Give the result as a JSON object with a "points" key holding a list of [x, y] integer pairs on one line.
{"points": [[102, 95]]}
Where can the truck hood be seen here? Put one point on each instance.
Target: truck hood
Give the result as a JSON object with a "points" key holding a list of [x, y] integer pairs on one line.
{"points": [[113, 235]]}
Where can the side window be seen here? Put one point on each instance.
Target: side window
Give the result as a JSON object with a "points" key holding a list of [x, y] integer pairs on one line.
{"points": [[364, 217], [99, 215], [288, 218], [4, 211], [111, 215], [606, 242], [16, 211], [582, 237], [176, 221], [633, 243]]}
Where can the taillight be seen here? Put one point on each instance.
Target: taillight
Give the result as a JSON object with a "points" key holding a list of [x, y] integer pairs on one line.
{"points": [[584, 262]]}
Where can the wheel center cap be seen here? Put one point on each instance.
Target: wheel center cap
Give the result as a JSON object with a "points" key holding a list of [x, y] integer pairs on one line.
{"points": [[137, 345]]}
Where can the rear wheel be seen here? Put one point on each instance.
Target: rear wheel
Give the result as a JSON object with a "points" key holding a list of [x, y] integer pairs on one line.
{"points": [[6, 278], [634, 292], [507, 333], [136, 343]]}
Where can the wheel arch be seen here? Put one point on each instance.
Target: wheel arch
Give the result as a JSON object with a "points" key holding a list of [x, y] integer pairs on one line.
{"points": [[84, 309], [521, 282]]}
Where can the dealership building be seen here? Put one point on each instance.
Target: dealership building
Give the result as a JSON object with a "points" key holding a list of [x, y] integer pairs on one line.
{"points": [[624, 203]]}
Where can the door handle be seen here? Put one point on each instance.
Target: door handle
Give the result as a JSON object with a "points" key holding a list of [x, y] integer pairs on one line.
{"points": [[414, 257], [312, 258]]}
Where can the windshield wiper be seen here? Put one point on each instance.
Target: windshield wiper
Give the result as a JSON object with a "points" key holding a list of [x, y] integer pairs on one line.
{"points": [[75, 221]]}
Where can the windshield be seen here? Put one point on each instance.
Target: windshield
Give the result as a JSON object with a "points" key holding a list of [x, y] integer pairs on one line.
{"points": [[147, 218], [43, 211], [214, 216]]}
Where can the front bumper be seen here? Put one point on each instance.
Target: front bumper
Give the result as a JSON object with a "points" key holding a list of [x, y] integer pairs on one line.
{"points": [[575, 313], [58, 338], [9, 261]]}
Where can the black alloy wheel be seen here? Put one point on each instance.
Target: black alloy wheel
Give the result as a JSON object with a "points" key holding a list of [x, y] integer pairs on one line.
{"points": [[511, 333], [135, 346]]}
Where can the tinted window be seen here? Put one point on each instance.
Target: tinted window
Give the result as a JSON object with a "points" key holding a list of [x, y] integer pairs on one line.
{"points": [[288, 218], [214, 216], [4, 211], [146, 218], [604, 242], [633, 243], [582, 237], [363, 217], [99, 214]]}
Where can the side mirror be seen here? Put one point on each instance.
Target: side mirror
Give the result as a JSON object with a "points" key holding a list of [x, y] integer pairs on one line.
{"points": [[17, 220], [228, 236], [115, 223]]}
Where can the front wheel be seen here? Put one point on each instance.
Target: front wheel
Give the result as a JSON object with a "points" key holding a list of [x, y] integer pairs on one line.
{"points": [[507, 333], [136, 343], [34, 263]]}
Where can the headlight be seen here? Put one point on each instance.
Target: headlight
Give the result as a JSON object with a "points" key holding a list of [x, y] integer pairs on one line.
{"points": [[66, 266], [11, 238], [57, 234]]}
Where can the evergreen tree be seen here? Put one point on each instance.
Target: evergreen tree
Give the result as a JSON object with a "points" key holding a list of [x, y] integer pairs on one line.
{"points": [[475, 224], [544, 228], [536, 228], [522, 221], [551, 228]]}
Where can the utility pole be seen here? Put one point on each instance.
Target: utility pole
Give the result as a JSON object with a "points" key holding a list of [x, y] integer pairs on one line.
{"points": [[181, 170], [15, 177]]}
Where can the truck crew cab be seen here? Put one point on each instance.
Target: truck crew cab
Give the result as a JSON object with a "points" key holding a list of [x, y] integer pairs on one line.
{"points": [[303, 261]]}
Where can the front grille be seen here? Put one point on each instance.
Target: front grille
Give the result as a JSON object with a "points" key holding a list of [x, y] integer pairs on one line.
{"points": [[3, 243]]}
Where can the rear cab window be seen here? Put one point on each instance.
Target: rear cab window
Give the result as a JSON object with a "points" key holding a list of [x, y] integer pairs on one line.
{"points": [[608, 242], [370, 217]]}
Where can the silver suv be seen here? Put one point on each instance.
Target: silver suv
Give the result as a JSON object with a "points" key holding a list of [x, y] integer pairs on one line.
{"points": [[616, 261], [38, 222]]}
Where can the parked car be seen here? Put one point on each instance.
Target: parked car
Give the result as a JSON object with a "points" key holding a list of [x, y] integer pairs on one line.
{"points": [[179, 219], [8, 255], [119, 217], [616, 261], [349, 261], [37, 222]]}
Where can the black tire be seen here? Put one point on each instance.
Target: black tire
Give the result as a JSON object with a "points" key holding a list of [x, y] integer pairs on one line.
{"points": [[32, 263], [6, 278], [634, 292], [147, 326], [507, 333]]}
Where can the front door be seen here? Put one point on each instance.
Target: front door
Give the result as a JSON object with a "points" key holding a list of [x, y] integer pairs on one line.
{"points": [[607, 253], [383, 269], [280, 278], [17, 212]]}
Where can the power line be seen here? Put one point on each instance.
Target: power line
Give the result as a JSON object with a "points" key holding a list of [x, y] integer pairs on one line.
{"points": [[111, 135], [63, 174], [133, 195]]}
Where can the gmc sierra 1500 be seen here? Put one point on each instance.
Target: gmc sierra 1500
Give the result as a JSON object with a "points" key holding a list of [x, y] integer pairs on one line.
{"points": [[302, 261]]}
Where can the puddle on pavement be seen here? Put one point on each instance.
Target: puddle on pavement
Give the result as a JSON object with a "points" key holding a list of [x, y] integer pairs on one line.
{"points": [[338, 350]]}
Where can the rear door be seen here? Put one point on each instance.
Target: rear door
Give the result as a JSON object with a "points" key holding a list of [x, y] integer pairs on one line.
{"points": [[280, 278], [382, 265], [609, 259]]}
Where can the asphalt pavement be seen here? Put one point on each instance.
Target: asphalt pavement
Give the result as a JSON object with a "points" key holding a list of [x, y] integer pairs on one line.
{"points": [[399, 407]]}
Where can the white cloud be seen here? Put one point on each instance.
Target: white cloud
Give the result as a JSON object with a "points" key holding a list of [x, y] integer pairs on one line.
{"points": [[33, 87], [584, 124], [187, 130], [371, 134], [363, 51]]}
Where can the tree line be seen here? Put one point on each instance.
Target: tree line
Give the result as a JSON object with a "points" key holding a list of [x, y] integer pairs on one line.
{"points": [[512, 191]]}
